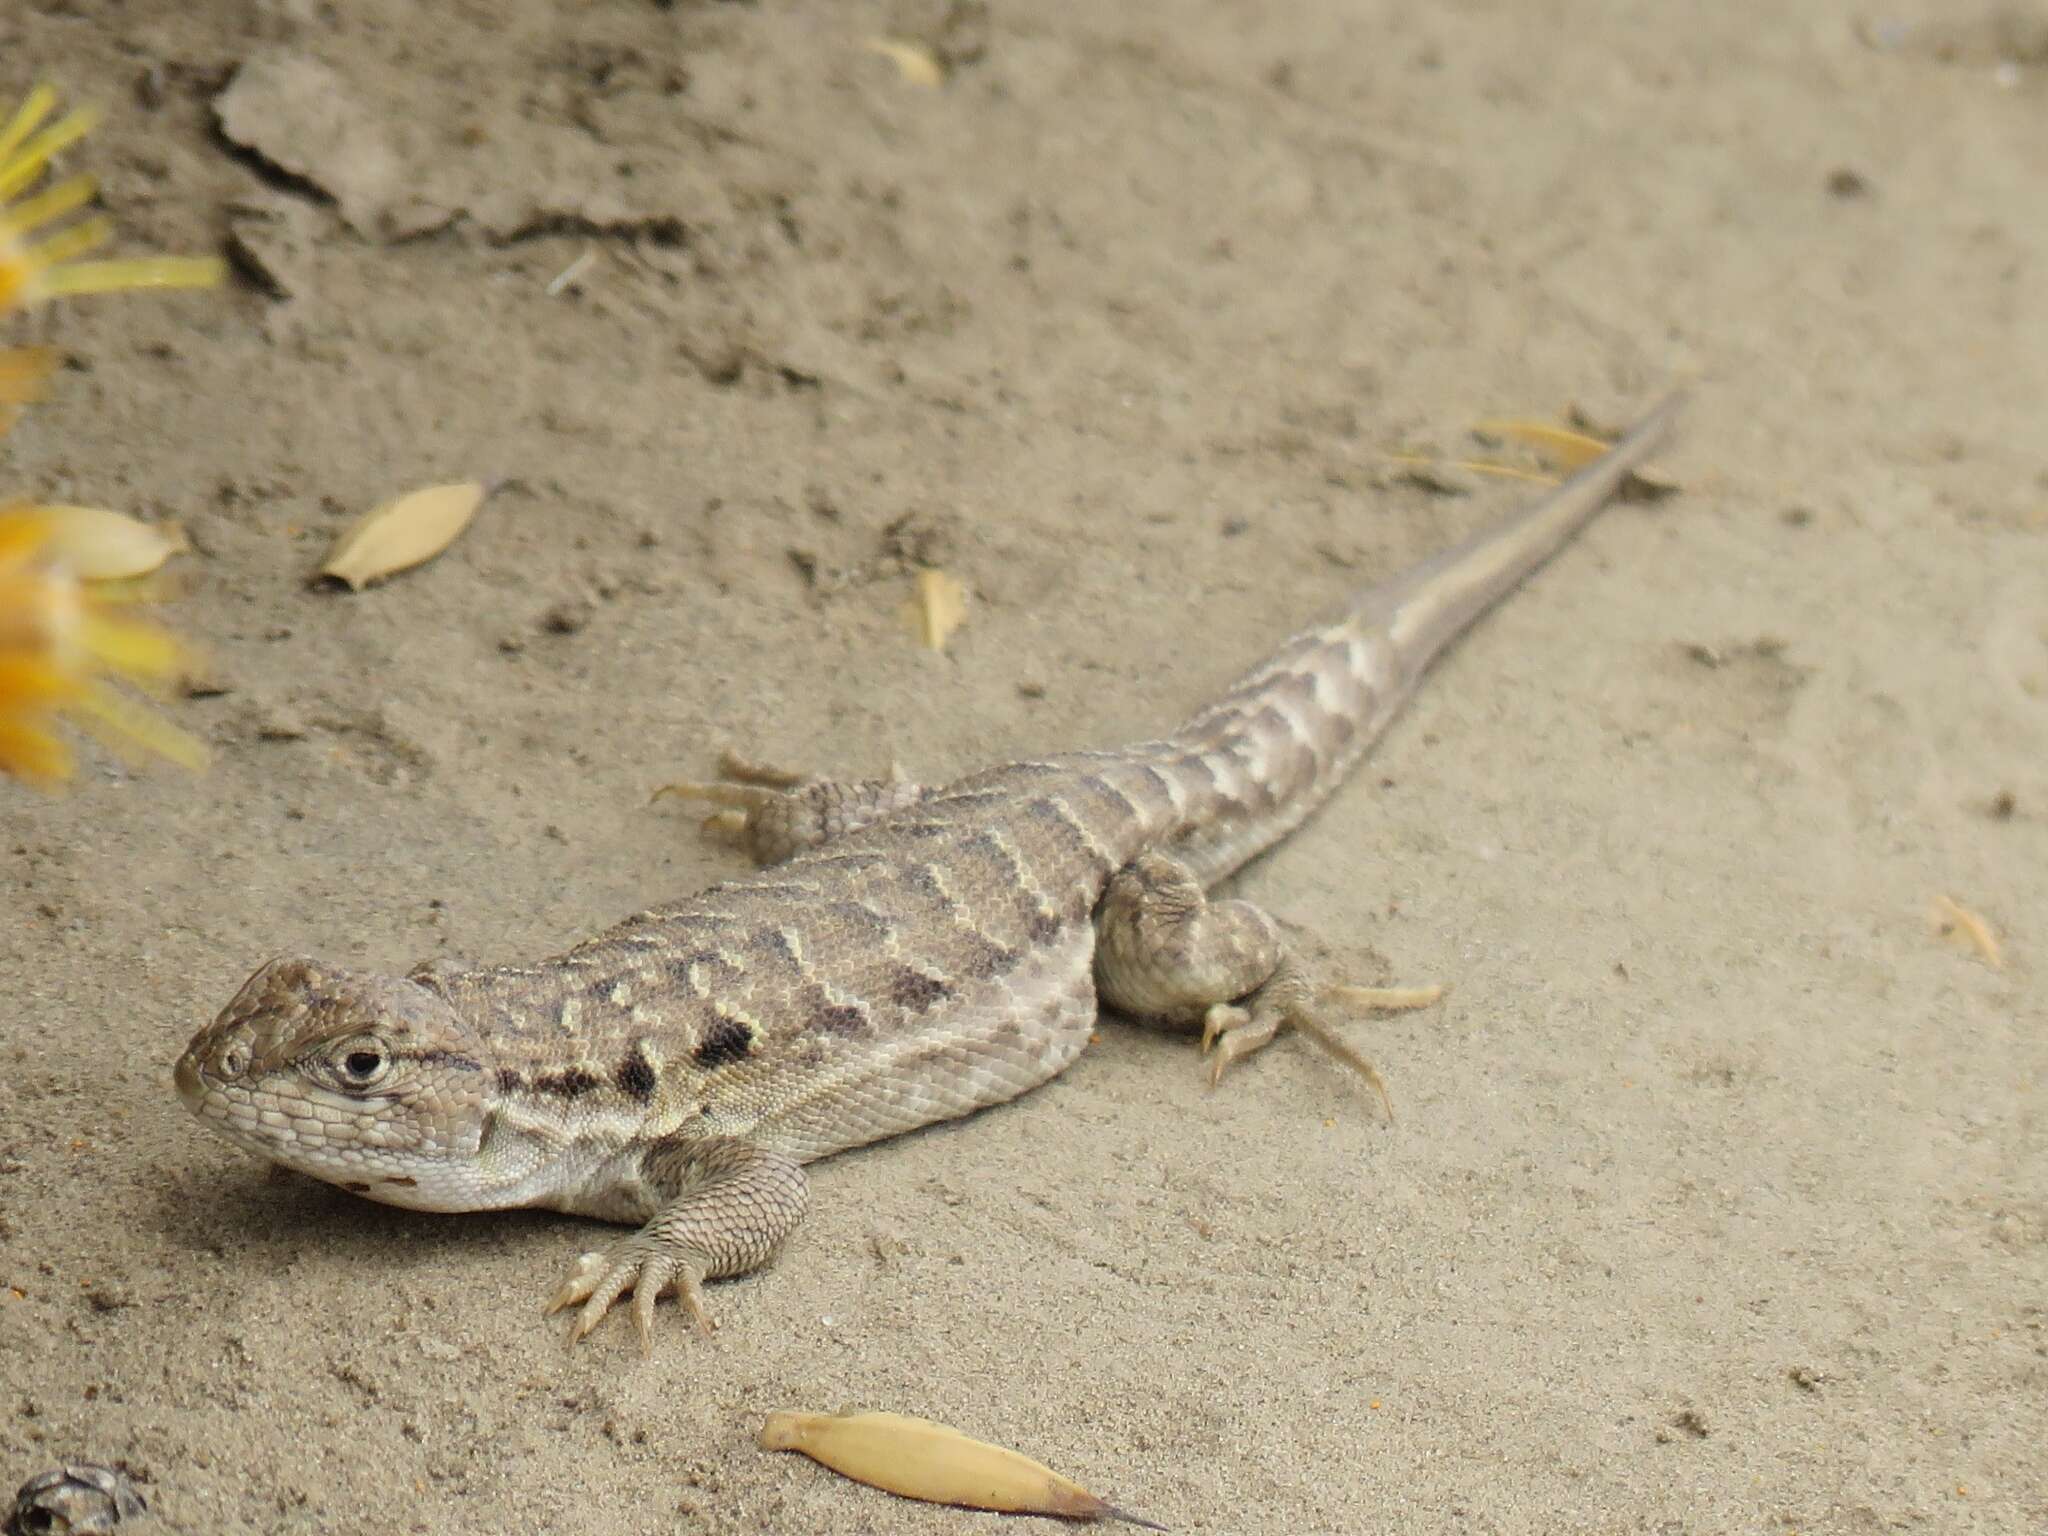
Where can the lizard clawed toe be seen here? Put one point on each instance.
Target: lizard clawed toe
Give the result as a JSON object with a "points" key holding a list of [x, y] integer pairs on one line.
{"points": [[1230, 1033], [1385, 999], [578, 1286], [600, 1279]]}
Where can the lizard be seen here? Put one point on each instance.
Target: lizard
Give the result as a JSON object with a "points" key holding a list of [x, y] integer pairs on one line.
{"points": [[903, 955]]}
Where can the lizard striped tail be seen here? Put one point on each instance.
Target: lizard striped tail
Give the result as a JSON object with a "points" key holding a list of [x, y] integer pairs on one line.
{"points": [[1253, 765]]}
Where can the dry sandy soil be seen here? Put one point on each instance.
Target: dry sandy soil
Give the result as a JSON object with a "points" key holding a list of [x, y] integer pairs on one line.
{"points": [[1717, 1200]]}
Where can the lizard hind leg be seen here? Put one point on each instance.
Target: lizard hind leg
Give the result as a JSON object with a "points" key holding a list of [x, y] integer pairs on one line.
{"points": [[1164, 951], [773, 812]]}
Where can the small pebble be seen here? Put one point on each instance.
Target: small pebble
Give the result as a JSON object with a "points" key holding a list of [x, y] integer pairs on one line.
{"points": [[75, 1500]]}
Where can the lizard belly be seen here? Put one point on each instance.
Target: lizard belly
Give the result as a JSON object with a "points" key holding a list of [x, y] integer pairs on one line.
{"points": [[996, 1038]]}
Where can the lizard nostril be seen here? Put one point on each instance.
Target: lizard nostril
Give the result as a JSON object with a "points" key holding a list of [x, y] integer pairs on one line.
{"points": [[234, 1061]]}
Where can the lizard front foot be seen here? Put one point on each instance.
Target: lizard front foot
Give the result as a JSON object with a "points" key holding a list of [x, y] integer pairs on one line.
{"points": [[773, 812], [730, 1204], [642, 1265]]}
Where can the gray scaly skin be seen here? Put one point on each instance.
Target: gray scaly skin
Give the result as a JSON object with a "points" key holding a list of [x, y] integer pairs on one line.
{"points": [[912, 955]]}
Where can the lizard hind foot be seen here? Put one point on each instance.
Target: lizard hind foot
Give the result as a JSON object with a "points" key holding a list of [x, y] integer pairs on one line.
{"points": [[1289, 1001], [1165, 951]]}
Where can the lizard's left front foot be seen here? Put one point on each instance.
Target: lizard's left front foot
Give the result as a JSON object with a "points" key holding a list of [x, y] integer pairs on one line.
{"points": [[774, 813], [731, 1205], [642, 1265]]}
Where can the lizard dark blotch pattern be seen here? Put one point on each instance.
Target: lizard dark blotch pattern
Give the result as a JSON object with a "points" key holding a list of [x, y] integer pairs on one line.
{"points": [[917, 992], [727, 1040], [839, 1019], [572, 1084], [918, 953], [635, 1077]]}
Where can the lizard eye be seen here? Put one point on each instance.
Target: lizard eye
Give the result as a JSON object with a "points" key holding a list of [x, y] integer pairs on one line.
{"points": [[363, 1064]]}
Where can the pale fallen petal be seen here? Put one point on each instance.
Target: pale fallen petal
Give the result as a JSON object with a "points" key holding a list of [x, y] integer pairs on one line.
{"points": [[937, 608], [915, 62], [97, 545], [1572, 450], [1958, 924], [403, 533], [1560, 445], [918, 1459]]}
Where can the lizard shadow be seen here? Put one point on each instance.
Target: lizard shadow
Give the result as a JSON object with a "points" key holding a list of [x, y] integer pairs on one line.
{"points": [[273, 1215]]}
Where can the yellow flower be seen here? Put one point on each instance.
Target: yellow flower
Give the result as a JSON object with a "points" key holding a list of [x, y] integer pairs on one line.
{"points": [[34, 271], [62, 643], [59, 643]]}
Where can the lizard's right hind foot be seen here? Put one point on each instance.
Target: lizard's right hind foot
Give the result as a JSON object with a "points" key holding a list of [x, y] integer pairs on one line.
{"points": [[1292, 999], [1165, 951], [773, 813]]}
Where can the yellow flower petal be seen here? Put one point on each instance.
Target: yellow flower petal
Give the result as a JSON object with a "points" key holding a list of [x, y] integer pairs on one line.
{"points": [[30, 752], [52, 203], [21, 532], [134, 650], [79, 277], [68, 244], [95, 544], [32, 272], [123, 724], [23, 165], [38, 106], [59, 648], [30, 682]]}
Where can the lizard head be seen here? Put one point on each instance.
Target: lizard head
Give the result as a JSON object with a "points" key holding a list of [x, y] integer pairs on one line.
{"points": [[374, 1083]]}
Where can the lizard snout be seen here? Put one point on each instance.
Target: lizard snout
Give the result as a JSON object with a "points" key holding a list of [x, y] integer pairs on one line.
{"points": [[215, 1054]]}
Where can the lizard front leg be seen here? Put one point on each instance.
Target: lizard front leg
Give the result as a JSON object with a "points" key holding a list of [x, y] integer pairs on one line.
{"points": [[774, 813], [728, 1205], [1164, 951]]}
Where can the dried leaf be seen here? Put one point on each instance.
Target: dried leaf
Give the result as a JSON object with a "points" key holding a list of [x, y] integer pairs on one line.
{"points": [[97, 545], [1957, 923], [1571, 451], [403, 533], [917, 62], [917, 1459], [938, 607], [1559, 445]]}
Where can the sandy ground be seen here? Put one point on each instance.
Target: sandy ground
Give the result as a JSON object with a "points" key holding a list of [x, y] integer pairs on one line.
{"points": [[1717, 1199]]}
